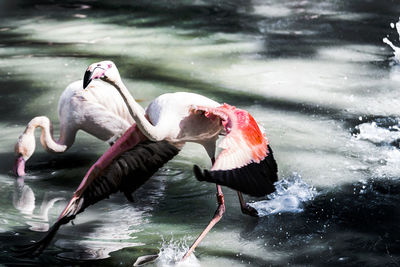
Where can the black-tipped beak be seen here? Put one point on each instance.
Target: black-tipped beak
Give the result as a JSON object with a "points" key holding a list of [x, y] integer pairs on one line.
{"points": [[87, 78], [98, 72]]}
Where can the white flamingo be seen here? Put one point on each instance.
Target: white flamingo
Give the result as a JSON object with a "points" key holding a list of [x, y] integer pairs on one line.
{"points": [[99, 110], [245, 164]]}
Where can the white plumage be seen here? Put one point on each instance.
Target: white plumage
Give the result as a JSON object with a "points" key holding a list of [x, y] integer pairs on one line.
{"points": [[99, 110]]}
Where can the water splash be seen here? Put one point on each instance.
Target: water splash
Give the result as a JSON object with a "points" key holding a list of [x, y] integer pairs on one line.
{"points": [[382, 154], [377, 134], [396, 50], [172, 251], [289, 196]]}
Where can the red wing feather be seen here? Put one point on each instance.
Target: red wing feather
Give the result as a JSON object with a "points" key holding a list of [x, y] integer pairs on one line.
{"points": [[246, 162], [244, 142]]}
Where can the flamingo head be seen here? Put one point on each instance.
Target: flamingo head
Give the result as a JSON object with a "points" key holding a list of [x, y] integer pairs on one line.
{"points": [[24, 149], [104, 70]]}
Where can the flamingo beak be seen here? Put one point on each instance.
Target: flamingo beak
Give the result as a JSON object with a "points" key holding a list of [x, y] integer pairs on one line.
{"points": [[93, 73], [19, 166]]}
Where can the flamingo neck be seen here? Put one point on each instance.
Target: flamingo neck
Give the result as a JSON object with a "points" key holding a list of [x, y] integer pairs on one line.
{"points": [[46, 137], [137, 112], [134, 108]]}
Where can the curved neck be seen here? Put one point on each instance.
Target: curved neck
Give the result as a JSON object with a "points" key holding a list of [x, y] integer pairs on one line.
{"points": [[137, 112], [46, 137]]}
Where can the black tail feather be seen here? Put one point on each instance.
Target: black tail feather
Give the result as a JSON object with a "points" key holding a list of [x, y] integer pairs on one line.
{"points": [[256, 179]]}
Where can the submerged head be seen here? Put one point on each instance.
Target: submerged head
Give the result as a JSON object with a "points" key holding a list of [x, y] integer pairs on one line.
{"points": [[104, 70]]}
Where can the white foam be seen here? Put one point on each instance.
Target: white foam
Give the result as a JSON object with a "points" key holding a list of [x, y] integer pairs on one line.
{"points": [[380, 156], [171, 252], [378, 135], [289, 196]]}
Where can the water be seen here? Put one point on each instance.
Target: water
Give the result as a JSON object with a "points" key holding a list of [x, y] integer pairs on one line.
{"points": [[315, 74], [396, 50], [289, 197]]}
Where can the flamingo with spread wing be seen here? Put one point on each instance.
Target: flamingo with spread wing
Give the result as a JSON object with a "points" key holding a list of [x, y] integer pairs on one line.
{"points": [[245, 164]]}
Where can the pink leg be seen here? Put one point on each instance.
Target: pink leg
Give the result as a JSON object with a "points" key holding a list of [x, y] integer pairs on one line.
{"points": [[217, 216], [246, 209]]}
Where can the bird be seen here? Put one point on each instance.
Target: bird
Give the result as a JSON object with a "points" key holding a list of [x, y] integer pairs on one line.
{"points": [[246, 162], [97, 110]]}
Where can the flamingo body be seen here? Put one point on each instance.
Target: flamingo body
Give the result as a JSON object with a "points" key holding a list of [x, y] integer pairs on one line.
{"points": [[99, 110], [96, 110], [172, 117]]}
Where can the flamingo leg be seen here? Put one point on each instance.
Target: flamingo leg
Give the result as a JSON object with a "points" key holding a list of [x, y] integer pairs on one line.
{"points": [[246, 208], [217, 216]]}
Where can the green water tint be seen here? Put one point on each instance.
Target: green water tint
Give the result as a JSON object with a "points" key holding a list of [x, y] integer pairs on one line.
{"points": [[310, 72]]}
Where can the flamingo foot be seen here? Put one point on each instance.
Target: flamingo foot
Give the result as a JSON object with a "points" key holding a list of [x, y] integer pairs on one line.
{"points": [[249, 210], [245, 207]]}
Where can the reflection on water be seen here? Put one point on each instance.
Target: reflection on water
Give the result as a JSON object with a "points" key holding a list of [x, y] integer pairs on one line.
{"points": [[24, 201], [23, 197], [315, 74]]}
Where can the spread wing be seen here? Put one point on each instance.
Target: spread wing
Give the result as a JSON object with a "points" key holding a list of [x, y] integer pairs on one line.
{"points": [[126, 173], [246, 162]]}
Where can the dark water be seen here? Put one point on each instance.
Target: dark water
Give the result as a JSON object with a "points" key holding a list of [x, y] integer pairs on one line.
{"points": [[315, 74]]}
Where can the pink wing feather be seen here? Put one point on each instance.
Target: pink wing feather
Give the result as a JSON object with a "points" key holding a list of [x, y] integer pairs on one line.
{"points": [[246, 162], [244, 142]]}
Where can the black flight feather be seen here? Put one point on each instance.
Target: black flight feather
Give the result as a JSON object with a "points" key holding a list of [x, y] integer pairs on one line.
{"points": [[255, 179]]}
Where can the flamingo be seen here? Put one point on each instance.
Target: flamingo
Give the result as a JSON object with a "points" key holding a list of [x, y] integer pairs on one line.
{"points": [[246, 162], [98, 110]]}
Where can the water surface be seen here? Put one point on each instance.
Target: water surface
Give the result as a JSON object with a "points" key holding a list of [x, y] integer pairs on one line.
{"points": [[315, 74]]}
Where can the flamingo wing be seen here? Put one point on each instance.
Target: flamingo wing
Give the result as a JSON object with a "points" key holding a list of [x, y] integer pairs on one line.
{"points": [[126, 173], [131, 170], [246, 162]]}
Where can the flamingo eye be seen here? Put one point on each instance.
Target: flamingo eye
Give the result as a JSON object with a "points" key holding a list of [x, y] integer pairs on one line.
{"points": [[98, 65], [109, 66]]}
